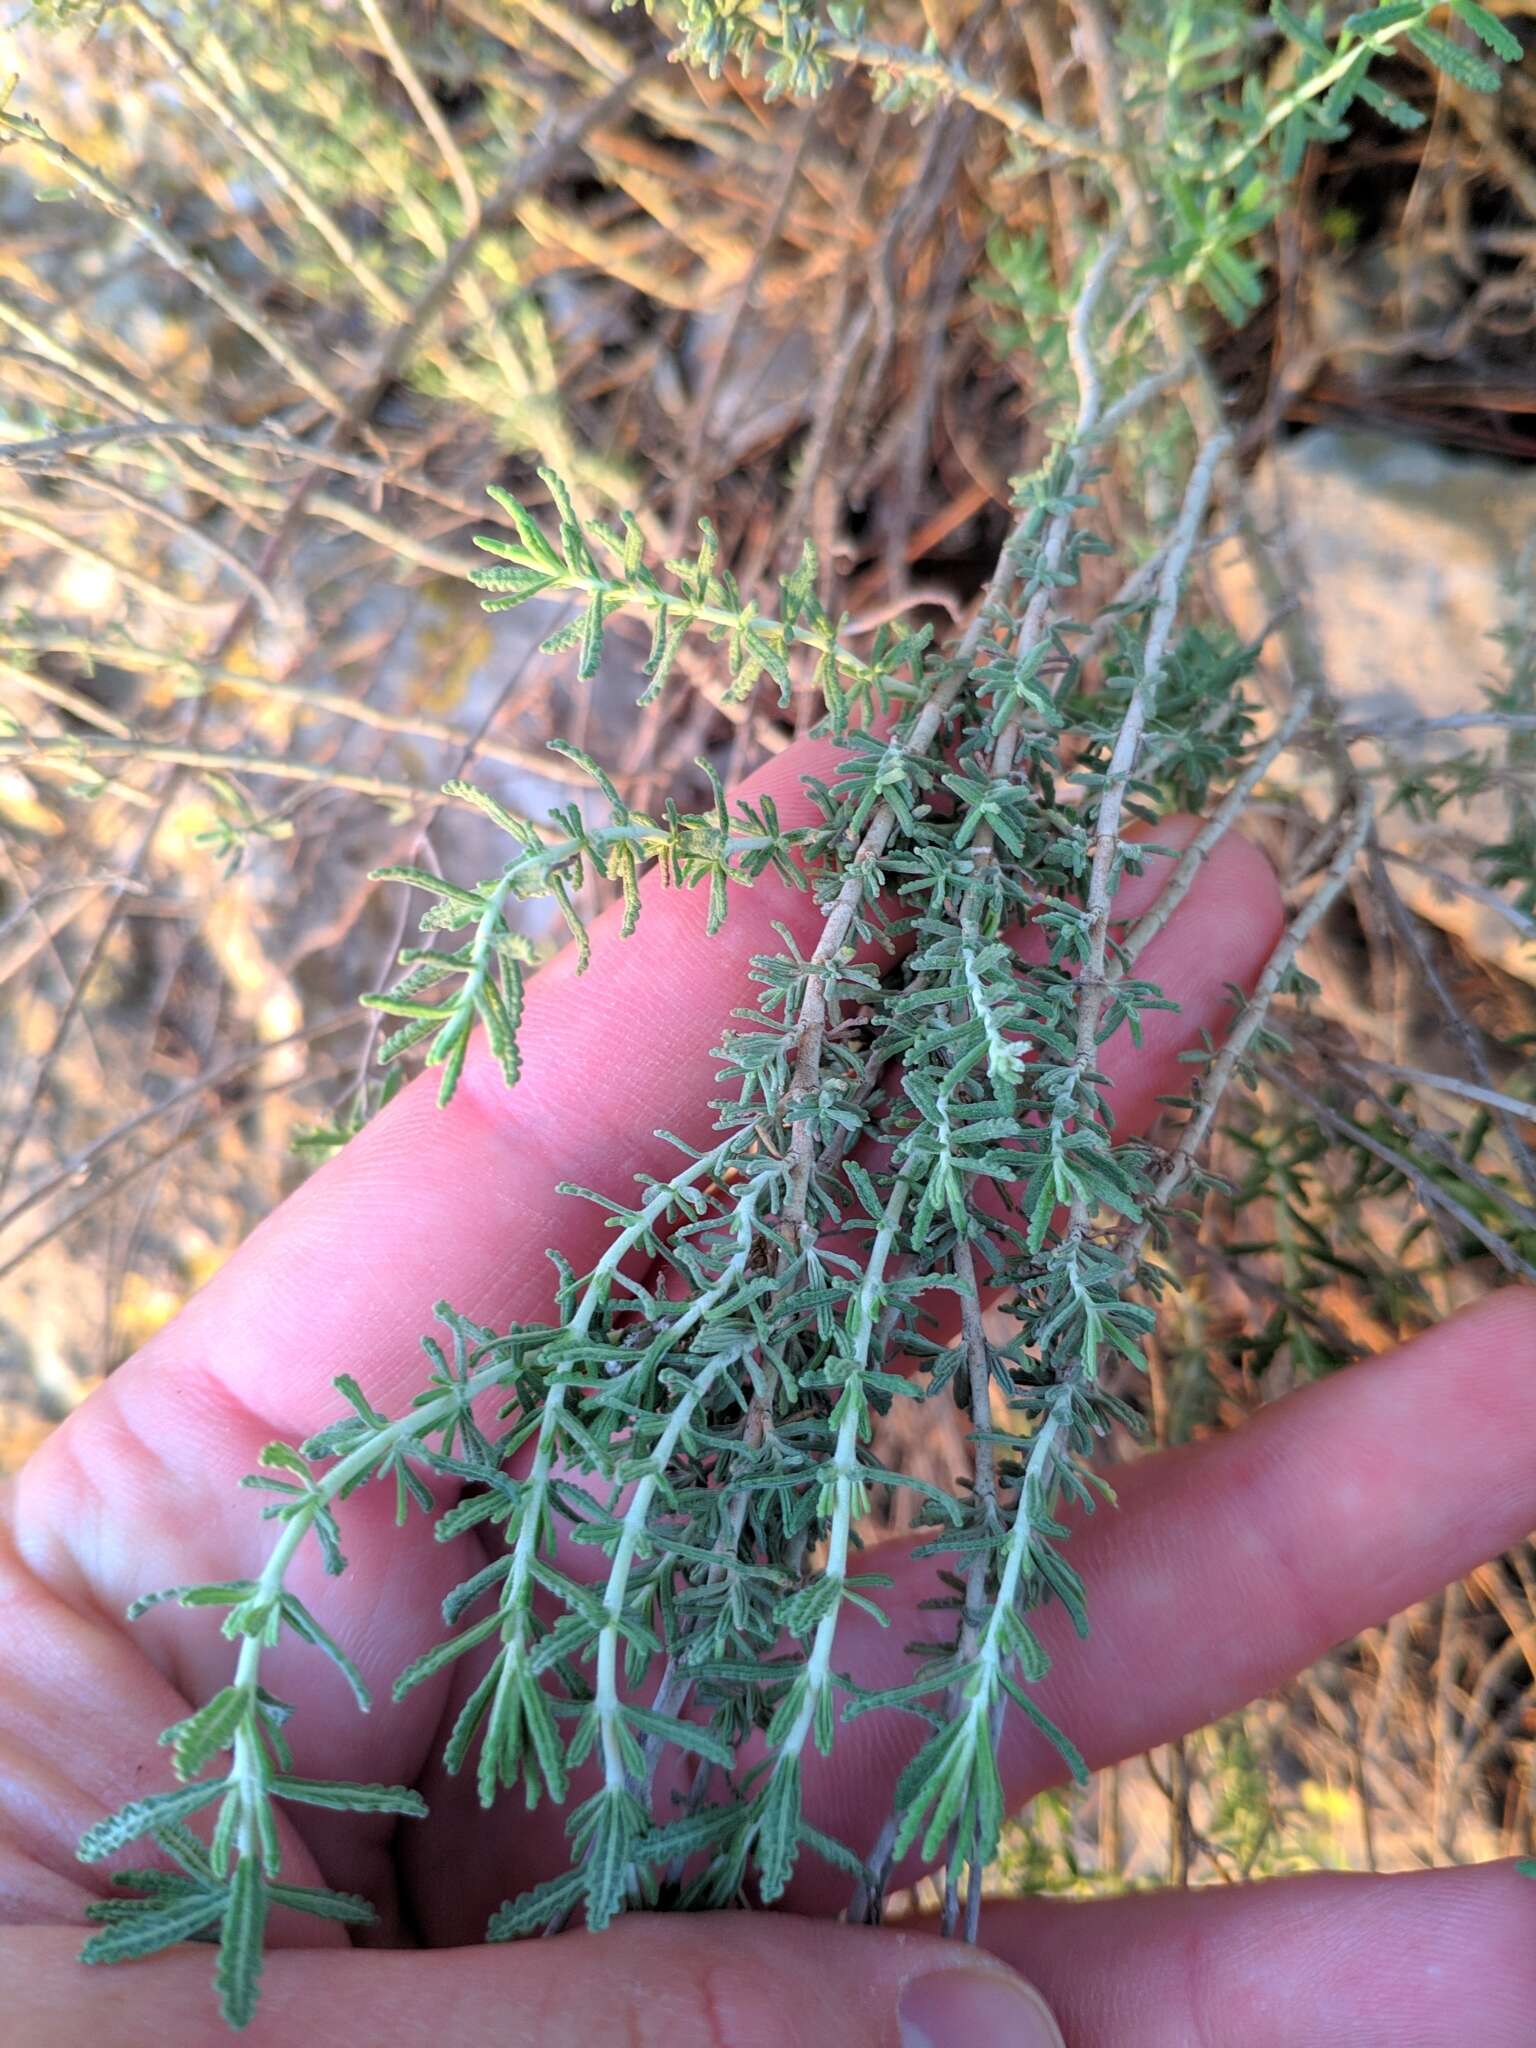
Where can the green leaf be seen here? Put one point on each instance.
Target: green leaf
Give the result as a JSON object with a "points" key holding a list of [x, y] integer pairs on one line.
{"points": [[432, 1661], [238, 1976], [1472, 71], [532, 1910], [692, 1836], [563, 637], [141, 1816], [1292, 26], [1062, 1743], [162, 1925], [466, 1594], [229, 1594], [830, 1850], [179, 1842], [469, 900], [668, 631], [689, 1735], [634, 545], [323, 1903], [1389, 106], [591, 640], [304, 1624], [530, 533], [933, 1779], [198, 1739], [952, 1785], [1345, 87], [482, 801], [159, 1883], [598, 773], [1376, 21], [1500, 39], [345, 1798], [777, 1823], [608, 1830]]}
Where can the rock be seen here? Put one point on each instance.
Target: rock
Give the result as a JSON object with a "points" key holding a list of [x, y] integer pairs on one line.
{"points": [[1411, 557]]}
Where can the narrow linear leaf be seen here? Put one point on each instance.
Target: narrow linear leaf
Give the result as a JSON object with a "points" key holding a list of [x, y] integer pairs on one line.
{"points": [[162, 1925], [142, 1816], [238, 1976], [345, 1798]]}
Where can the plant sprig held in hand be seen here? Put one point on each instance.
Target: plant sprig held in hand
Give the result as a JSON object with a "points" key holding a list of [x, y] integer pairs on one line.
{"points": [[671, 1469]]}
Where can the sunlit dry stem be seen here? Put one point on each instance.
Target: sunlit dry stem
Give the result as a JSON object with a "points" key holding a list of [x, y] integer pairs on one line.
{"points": [[174, 252], [183, 67], [1437, 1145], [1461, 885], [950, 81], [63, 698], [156, 596], [1433, 1197], [45, 449], [1452, 1084], [1460, 1026], [427, 109], [77, 749], [197, 676]]}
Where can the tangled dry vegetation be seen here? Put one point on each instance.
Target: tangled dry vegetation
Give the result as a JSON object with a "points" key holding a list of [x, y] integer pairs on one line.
{"points": [[286, 286]]}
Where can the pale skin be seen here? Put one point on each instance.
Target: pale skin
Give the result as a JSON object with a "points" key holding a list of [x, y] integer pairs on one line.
{"points": [[1226, 1568]]}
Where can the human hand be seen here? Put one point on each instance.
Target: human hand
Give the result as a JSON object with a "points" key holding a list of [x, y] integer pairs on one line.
{"points": [[1228, 1566]]}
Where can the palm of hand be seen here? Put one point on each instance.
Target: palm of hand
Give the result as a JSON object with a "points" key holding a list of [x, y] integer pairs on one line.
{"points": [[1228, 1566]]}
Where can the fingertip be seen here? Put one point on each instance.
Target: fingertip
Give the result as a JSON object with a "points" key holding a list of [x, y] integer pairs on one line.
{"points": [[1421, 1956], [1234, 878], [1241, 885], [1221, 934], [1482, 1360], [959, 2005], [1504, 1321]]}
